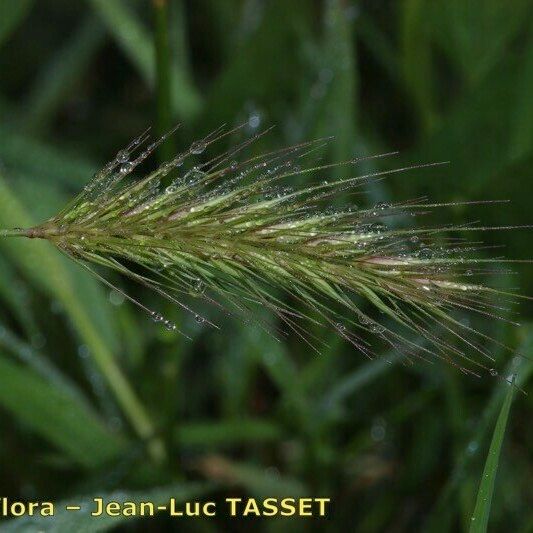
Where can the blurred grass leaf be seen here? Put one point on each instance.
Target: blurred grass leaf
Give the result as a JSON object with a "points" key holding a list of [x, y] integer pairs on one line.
{"points": [[260, 482], [522, 144], [250, 74], [475, 34], [227, 433], [39, 162], [416, 59], [58, 78], [43, 266], [163, 68], [11, 15], [56, 415], [39, 363], [378, 43], [82, 520], [489, 107], [16, 296], [136, 43], [333, 99], [130, 35], [358, 379]]}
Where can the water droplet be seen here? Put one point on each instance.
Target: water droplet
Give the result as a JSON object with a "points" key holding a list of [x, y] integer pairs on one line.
{"points": [[472, 447], [340, 326], [197, 147], [171, 189], [199, 319], [193, 176], [425, 253], [382, 206], [493, 372], [83, 351], [156, 317], [364, 320], [254, 121], [469, 273], [199, 286], [414, 238], [170, 325], [377, 328], [116, 298]]}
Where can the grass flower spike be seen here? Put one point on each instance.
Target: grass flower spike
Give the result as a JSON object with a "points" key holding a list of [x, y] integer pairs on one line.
{"points": [[231, 231]]}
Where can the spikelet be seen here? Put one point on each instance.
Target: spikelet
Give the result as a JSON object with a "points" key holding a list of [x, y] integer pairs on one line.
{"points": [[229, 231]]}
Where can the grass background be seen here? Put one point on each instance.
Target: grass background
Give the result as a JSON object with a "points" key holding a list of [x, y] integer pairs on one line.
{"points": [[239, 414]]}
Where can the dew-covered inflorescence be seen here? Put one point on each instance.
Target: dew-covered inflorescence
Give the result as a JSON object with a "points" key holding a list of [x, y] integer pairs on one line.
{"points": [[231, 232]]}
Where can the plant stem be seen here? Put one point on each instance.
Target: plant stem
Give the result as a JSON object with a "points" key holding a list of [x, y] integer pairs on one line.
{"points": [[15, 232], [163, 78]]}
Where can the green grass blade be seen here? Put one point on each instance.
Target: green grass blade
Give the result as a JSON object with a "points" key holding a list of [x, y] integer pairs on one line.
{"points": [[523, 368], [56, 415], [11, 15], [480, 518], [82, 520]]}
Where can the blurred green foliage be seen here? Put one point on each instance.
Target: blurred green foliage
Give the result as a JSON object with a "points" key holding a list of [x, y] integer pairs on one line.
{"points": [[238, 413]]}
